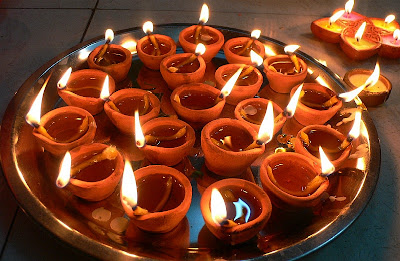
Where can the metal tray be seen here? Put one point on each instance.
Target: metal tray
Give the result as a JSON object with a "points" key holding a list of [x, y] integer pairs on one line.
{"points": [[31, 173]]}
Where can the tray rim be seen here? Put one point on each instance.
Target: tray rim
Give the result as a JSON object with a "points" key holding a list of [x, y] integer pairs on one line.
{"points": [[31, 205]]}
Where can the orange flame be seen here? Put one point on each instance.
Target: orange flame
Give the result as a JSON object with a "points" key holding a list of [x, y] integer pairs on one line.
{"points": [[255, 58], [266, 131], [327, 167], [130, 45], [128, 194], [336, 16], [109, 35], [390, 18], [291, 107], [360, 32], [355, 130], [148, 27], [200, 49], [204, 14], [349, 6], [139, 136], [105, 91], [34, 114], [396, 34], [255, 34], [64, 79], [269, 51], [290, 49], [226, 90], [218, 208], [65, 171]]}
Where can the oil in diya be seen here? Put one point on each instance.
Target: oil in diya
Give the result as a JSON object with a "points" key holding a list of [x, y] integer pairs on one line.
{"points": [[153, 48], [164, 140], [237, 50], [111, 58], [235, 210], [328, 29], [161, 199], [91, 171], [191, 36]]}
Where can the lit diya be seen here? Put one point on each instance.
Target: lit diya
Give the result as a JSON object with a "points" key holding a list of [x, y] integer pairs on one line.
{"points": [[83, 88], [248, 83], [164, 140], [285, 71], [159, 201], [111, 58], [360, 41], [237, 50], [335, 144], [235, 210], [61, 129], [390, 47], [328, 29], [373, 95], [349, 17], [231, 146], [184, 68], [91, 171], [121, 106], [386, 26], [293, 181], [153, 48], [191, 36]]}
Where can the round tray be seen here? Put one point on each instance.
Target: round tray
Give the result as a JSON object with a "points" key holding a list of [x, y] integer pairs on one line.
{"points": [[24, 165]]}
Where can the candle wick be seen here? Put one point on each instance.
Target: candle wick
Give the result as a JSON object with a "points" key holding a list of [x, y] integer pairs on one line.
{"points": [[259, 142], [221, 95]]}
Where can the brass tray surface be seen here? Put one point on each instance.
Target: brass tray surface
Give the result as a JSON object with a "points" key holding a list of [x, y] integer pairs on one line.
{"points": [[31, 174]]}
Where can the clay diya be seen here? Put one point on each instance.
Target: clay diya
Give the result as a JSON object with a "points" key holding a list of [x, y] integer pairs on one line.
{"points": [[373, 95], [317, 104], [328, 29], [125, 102], [282, 73], [83, 88], [385, 26], [237, 50], [226, 144], [252, 111], [161, 200], [191, 36], [93, 172], [287, 178], [197, 102], [247, 85], [239, 213], [111, 58], [167, 140], [360, 41], [183, 68], [390, 47], [153, 48]]}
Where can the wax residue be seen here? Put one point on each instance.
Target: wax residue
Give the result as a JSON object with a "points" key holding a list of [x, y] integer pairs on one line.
{"points": [[335, 198], [119, 224], [101, 214], [351, 112], [361, 151]]}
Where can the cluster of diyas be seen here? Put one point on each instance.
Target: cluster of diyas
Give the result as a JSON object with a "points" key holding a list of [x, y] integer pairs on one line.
{"points": [[157, 197], [360, 37]]}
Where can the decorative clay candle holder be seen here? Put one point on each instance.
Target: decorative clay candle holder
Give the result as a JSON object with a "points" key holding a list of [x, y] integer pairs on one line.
{"points": [[210, 37], [83, 90], [235, 45], [286, 177], [283, 77], [117, 61], [68, 126], [189, 73], [328, 138], [197, 102], [252, 112], [168, 140], [327, 32], [245, 87], [349, 19], [152, 184], [234, 191], [96, 171], [145, 50], [126, 102], [311, 108], [373, 95], [390, 47], [367, 46], [225, 156], [383, 27]]}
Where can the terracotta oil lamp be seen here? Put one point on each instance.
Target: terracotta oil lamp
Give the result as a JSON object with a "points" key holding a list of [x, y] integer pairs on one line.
{"points": [[285, 71], [191, 36], [385, 26], [237, 50], [360, 41], [335, 144], [92, 172], [235, 210], [328, 29], [231, 146], [390, 47], [111, 58], [122, 104], [292, 181], [247, 85], [252, 112], [153, 48], [83, 88], [317, 104], [349, 17], [161, 199], [183, 68], [375, 94], [165, 140]]}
